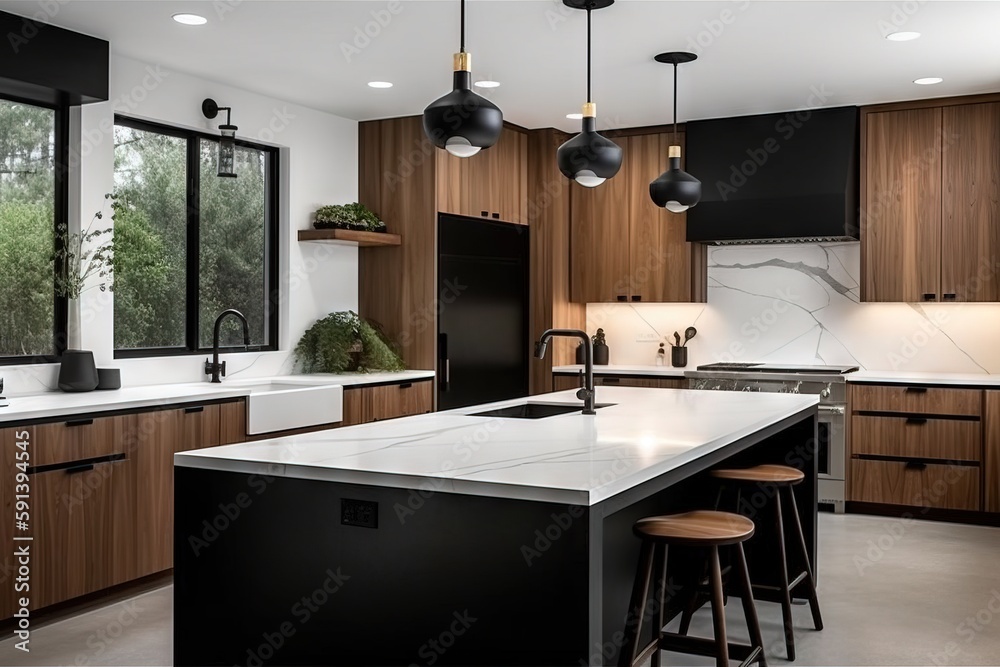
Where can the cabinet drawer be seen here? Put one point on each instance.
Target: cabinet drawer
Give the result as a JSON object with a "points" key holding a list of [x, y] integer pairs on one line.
{"points": [[76, 439], [564, 382], [398, 400], [652, 382], [924, 400], [919, 485], [916, 437]]}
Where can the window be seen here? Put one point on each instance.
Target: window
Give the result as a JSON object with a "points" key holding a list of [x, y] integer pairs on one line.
{"points": [[188, 244], [32, 204]]}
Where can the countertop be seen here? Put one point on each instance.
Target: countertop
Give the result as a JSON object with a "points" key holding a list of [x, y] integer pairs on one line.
{"points": [[570, 458], [60, 404], [625, 369], [918, 377]]}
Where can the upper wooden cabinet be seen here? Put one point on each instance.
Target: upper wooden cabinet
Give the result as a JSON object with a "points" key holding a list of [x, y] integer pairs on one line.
{"points": [[931, 182], [491, 184], [624, 247]]}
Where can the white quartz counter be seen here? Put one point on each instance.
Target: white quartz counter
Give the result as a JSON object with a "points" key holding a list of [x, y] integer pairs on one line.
{"points": [[625, 369], [55, 404], [570, 458], [917, 377]]}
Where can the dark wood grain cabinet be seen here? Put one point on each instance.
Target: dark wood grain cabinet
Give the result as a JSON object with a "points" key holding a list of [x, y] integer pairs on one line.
{"points": [[931, 202], [563, 381], [624, 248]]}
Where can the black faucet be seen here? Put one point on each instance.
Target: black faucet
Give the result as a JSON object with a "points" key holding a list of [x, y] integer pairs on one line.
{"points": [[587, 393], [214, 368]]}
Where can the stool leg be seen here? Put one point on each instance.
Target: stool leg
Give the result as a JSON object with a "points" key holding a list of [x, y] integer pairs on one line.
{"points": [[786, 598], [813, 598], [749, 610], [660, 586], [718, 611], [640, 590]]}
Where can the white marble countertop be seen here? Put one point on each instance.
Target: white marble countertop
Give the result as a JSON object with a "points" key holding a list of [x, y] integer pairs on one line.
{"points": [[920, 377], [625, 369], [571, 458], [59, 404]]}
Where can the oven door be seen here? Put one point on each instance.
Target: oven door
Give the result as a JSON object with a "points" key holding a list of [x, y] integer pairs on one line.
{"points": [[831, 454]]}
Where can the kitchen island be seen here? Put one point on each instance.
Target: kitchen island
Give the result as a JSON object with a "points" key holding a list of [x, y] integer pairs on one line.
{"points": [[456, 538]]}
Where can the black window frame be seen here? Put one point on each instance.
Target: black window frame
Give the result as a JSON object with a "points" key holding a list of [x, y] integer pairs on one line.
{"points": [[60, 209], [272, 243]]}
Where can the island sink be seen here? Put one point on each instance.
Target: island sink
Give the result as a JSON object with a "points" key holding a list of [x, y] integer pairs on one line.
{"points": [[533, 411]]}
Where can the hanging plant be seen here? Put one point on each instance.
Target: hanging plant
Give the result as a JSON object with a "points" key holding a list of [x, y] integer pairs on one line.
{"points": [[354, 216], [343, 342]]}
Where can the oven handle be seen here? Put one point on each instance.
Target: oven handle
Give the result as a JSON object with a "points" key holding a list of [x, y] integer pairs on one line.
{"points": [[832, 409]]}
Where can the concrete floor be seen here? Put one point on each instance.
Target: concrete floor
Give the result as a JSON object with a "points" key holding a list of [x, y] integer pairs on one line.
{"points": [[892, 592]]}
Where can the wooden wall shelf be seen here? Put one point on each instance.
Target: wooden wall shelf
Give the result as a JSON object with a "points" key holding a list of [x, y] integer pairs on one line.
{"points": [[362, 239]]}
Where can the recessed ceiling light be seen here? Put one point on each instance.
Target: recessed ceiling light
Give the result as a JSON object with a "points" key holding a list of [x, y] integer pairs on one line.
{"points": [[379, 84], [574, 116], [190, 19], [928, 80], [902, 36], [487, 84]]}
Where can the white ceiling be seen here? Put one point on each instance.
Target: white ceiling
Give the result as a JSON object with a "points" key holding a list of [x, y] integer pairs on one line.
{"points": [[771, 56]]}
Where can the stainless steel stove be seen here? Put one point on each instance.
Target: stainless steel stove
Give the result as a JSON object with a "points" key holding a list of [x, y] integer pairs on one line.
{"points": [[827, 382]]}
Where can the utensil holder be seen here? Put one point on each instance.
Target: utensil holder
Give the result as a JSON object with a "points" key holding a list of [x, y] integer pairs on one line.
{"points": [[678, 357]]}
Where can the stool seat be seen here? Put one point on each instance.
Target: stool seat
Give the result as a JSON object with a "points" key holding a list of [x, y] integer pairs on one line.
{"points": [[700, 528], [768, 474]]}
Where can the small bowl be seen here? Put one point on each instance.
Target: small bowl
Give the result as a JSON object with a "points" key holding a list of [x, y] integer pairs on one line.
{"points": [[109, 378]]}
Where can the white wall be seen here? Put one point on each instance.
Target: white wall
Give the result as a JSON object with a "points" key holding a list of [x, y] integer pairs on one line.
{"points": [[800, 304], [319, 165]]}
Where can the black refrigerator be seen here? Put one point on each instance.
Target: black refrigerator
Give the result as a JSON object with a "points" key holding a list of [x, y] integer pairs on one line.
{"points": [[482, 279]]}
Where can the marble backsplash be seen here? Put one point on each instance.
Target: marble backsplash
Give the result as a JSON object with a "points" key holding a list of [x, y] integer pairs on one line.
{"points": [[799, 303]]}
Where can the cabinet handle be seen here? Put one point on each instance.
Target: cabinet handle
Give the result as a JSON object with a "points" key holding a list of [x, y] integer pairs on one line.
{"points": [[80, 422], [406, 385], [199, 408], [87, 467], [622, 297], [916, 390], [496, 216], [950, 297], [929, 297], [637, 297], [485, 214], [916, 420], [916, 465]]}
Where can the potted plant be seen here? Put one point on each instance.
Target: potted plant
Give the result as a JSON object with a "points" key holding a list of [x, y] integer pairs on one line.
{"points": [[343, 342], [354, 216], [601, 350], [84, 261]]}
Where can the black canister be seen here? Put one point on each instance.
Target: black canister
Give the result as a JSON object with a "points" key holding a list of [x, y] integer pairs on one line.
{"points": [[678, 356]]}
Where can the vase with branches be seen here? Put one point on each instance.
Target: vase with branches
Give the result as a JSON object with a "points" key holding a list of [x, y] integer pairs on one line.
{"points": [[84, 261]]}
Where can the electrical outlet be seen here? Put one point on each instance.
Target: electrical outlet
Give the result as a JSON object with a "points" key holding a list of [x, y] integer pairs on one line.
{"points": [[362, 513], [647, 338]]}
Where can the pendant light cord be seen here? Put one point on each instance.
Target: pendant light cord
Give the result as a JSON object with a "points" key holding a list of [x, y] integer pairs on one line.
{"points": [[588, 52], [675, 104], [462, 50]]}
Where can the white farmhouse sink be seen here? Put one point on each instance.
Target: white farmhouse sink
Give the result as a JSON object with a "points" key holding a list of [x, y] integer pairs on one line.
{"points": [[276, 405]]}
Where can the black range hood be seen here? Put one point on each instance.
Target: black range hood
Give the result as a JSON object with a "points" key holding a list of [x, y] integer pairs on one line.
{"points": [[775, 178]]}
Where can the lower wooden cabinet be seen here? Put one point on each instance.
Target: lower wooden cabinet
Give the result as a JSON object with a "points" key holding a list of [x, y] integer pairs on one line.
{"points": [[915, 437], [397, 400], [991, 451], [915, 484], [562, 382]]}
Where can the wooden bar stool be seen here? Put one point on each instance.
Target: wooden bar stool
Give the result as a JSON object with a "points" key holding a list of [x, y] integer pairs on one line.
{"points": [[782, 479], [701, 530]]}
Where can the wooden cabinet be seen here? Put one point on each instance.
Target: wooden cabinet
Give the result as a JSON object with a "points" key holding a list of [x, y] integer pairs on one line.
{"points": [[991, 451], [364, 404], [931, 201], [562, 381], [491, 184], [625, 248], [917, 446]]}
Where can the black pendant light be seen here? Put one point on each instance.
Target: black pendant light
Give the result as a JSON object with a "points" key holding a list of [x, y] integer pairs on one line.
{"points": [[227, 140], [675, 189], [463, 122], [588, 158]]}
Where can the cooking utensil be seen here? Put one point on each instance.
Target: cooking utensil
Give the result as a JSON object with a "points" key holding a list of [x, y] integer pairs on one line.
{"points": [[689, 333], [677, 339]]}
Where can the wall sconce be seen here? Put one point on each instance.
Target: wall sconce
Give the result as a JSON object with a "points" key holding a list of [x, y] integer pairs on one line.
{"points": [[227, 142]]}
